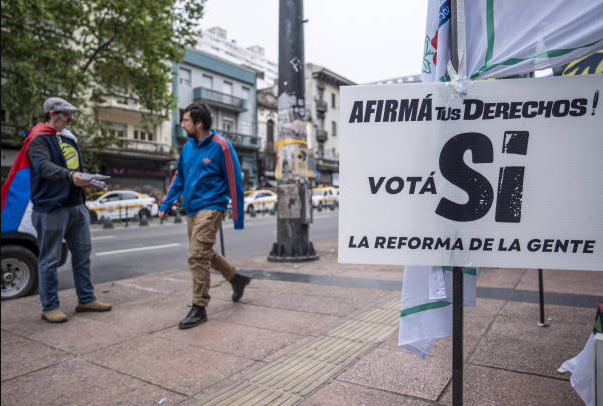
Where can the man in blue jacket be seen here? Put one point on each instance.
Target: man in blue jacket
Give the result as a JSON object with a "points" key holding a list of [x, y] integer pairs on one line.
{"points": [[208, 173], [59, 211]]}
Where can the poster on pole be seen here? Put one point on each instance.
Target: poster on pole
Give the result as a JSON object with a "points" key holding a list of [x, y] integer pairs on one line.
{"points": [[508, 175]]}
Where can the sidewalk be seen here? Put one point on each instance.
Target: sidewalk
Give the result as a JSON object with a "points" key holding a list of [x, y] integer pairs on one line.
{"points": [[304, 334]]}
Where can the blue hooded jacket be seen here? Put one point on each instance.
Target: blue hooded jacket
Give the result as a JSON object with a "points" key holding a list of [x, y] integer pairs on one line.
{"points": [[208, 173]]}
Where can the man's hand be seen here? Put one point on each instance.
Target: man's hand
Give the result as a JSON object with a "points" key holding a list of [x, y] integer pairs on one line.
{"points": [[162, 214], [78, 179]]}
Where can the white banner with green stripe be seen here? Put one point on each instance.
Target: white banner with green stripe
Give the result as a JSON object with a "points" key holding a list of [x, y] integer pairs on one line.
{"points": [[512, 37], [425, 317]]}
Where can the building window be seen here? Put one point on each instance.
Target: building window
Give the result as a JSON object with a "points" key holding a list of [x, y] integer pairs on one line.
{"points": [[333, 100], [207, 81], [334, 128], [245, 93], [227, 87], [117, 130], [143, 135], [320, 92], [185, 77], [227, 125]]}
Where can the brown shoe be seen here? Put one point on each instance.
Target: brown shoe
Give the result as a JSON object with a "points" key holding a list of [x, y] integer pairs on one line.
{"points": [[54, 316], [94, 306]]}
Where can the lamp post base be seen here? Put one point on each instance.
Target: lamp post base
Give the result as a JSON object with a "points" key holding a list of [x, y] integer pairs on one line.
{"points": [[299, 252]]}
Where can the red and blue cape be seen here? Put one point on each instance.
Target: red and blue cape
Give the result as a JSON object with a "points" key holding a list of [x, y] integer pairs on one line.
{"points": [[16, 191]]}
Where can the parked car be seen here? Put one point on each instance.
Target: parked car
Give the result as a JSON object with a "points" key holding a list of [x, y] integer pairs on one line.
{"points": [[120, 204], [20, 259], [325, 197], [257, 201]]}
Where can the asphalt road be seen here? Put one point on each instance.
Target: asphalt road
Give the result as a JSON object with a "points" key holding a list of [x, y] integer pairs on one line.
{"points": [[121, 253]]}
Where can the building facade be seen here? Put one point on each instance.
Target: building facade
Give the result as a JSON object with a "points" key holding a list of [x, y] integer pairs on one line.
{"points": [[230, 92], [322, 101], [142, 160], [214, 41]]}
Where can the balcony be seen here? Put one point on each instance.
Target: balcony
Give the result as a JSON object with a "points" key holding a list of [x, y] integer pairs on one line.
{"points": [[120, 102], [242, 140], [321, 135], [218, 99], [321, 107], [138, 148], [327, 164]]}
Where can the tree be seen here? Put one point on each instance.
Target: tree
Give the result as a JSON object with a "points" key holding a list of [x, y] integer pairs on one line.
{"points": [[86, 50]]}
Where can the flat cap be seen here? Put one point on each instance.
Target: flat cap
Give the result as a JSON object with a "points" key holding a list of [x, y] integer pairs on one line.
{"points": [[58, 104]]}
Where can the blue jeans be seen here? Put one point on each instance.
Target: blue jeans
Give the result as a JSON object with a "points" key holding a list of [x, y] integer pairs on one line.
{"points": [[72, 224]]}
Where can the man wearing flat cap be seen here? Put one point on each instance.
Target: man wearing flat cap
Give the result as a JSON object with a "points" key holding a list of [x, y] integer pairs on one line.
{"points": [[58, 209]]}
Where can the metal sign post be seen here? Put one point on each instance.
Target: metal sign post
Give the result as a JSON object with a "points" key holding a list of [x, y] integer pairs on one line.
{"points": [[541, 323], [457, 336]]}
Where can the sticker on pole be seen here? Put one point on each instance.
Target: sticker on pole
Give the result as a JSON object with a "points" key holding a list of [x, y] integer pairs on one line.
{"points": [[508, 175]]}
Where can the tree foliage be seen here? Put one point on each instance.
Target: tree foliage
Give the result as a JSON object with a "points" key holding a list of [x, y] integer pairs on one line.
{"points": [[86, 50]]}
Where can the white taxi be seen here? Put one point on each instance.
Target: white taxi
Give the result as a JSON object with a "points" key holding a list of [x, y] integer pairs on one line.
{"points": [[120, 204], [263, 200], [323, 197]]}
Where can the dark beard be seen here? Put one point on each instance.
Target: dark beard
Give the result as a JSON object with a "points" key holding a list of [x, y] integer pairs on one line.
{"points": [[190, 135]]}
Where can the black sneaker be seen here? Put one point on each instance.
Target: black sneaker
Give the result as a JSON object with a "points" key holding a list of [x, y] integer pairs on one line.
{"points": [[238, 286], [196, 316]]}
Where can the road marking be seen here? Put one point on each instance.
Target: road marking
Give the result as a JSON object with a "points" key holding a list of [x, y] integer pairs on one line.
{"points": [[102, 237], [153, 247]]}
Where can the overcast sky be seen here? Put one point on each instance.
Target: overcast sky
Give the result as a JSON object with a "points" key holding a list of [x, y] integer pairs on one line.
{"points": [[364, 41]]}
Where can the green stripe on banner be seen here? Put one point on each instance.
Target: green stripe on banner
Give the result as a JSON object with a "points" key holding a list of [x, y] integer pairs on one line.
{"points": [[548, 54], [490, 30], [466, 271], [426, 306]]}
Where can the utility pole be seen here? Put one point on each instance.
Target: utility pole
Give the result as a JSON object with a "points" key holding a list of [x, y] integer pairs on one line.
{"points": [[294, 208]]}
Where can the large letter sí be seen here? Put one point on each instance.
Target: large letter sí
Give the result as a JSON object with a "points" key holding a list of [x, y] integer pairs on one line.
{"points": [[455, 170]]}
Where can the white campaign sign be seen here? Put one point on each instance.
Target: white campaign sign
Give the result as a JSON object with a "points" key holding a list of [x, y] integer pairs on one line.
{"points": [[508, 175]]}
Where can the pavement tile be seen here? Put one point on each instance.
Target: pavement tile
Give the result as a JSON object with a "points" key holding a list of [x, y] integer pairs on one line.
{"points": [[290, 349], [562, 281], [357, 297], [279, 319], [257, 288], [400, 372], [242, 341], [442, 349], [169, 363], [77, 382], [515, 341], [499, 277], [80, 334], [306, 303], [16, 311], [341, 393], [145, 316], [530, 313], [158, 283], [227, 382], [564, 332], [366, 272], [520, 355], [21, 355], [494, 387]]}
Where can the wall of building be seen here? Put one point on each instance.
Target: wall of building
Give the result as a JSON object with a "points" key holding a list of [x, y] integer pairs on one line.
{"points": [[201, 70], [215, 41]]}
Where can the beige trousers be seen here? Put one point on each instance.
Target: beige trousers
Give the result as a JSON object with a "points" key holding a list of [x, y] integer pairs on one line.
{"points": [[202, 229]]}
